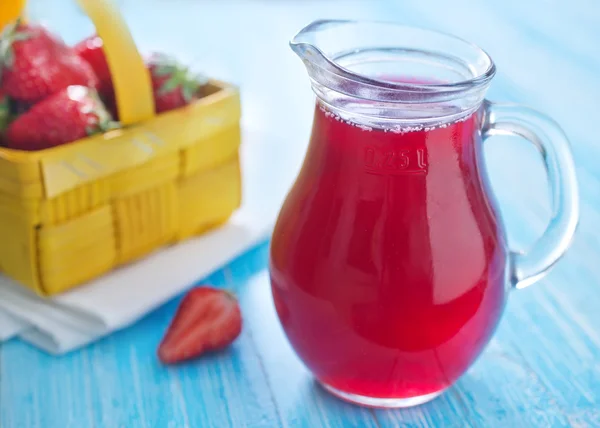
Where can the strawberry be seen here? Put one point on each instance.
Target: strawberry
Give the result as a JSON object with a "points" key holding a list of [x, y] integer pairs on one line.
{"points": [[73, 113], [207, 319], [91, 50], [35, 64], [174, 85]]}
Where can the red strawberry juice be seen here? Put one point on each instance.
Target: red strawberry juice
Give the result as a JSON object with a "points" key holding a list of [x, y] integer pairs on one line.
{"points": [[387, 261]]}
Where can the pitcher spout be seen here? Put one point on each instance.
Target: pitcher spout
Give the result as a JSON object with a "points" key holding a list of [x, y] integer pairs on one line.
{"points": [[309, 42], [306, 39], [392, 64], [316, 48]]}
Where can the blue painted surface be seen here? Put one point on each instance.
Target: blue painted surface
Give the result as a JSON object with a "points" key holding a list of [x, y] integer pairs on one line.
{"points": [[543, 366]]}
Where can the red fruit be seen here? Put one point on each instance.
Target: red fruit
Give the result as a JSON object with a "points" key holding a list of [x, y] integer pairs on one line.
{"points": [[73, 113], [174, 86], [91, 50], [207, 319], [35, 64]]}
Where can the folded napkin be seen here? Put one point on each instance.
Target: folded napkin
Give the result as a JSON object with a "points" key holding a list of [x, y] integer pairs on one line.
{"points": [[116, 300], [9, 326]]}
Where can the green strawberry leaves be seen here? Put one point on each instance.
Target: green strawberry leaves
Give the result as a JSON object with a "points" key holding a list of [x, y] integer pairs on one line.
{"points": [[179, 77], [5, 113], [105, 121]]}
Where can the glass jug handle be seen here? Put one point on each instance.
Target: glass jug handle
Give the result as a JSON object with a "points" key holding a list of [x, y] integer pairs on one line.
{"points": [[553, 145]]}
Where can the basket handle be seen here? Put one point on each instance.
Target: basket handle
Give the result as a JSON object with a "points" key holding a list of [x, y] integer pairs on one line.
{"points": [[10, 11], [131, 79]]}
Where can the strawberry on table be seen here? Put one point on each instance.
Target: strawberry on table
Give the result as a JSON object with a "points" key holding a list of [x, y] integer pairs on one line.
{"points": [[173, 84], [207, 319], [73, 113], [35, 64]]}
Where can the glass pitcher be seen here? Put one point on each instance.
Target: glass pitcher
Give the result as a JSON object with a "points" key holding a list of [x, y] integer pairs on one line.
{"points": [[389, 264]]}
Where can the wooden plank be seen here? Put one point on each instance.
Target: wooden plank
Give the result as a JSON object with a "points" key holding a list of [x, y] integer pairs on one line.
{"points": [[38, 390], [119, 382], [300, 401], [223, 389]]}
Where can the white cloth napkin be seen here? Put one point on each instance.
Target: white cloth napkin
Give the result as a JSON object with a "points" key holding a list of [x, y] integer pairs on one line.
{"points": [[118, 299], [10, 326]]}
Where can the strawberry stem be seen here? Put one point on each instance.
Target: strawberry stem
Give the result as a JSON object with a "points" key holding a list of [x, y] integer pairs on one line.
{"points": [[10, 35], [105, 121]]}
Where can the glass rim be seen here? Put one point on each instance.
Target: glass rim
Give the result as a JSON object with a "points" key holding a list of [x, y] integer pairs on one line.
{"points": [[480, 78]]}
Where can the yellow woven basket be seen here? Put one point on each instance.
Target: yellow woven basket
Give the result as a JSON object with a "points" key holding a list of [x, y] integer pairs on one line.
{"points": [[71, 213]]}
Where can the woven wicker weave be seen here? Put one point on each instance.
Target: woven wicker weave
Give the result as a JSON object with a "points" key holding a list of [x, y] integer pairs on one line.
{"points": [[74, 212]]}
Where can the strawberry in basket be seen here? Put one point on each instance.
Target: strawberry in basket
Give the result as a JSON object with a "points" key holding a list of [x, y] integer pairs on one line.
{"points": [[35, 64], [119, 178], [48, 91], [68, 115], [91, 50], [50, 88], [174, 86]]}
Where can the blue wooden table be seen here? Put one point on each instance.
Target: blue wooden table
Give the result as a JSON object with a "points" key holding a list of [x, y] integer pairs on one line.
{"points": [[543, 367]]}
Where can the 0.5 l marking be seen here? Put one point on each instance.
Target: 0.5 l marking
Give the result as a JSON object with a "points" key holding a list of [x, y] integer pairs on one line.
{"points": [[395, 161]]}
